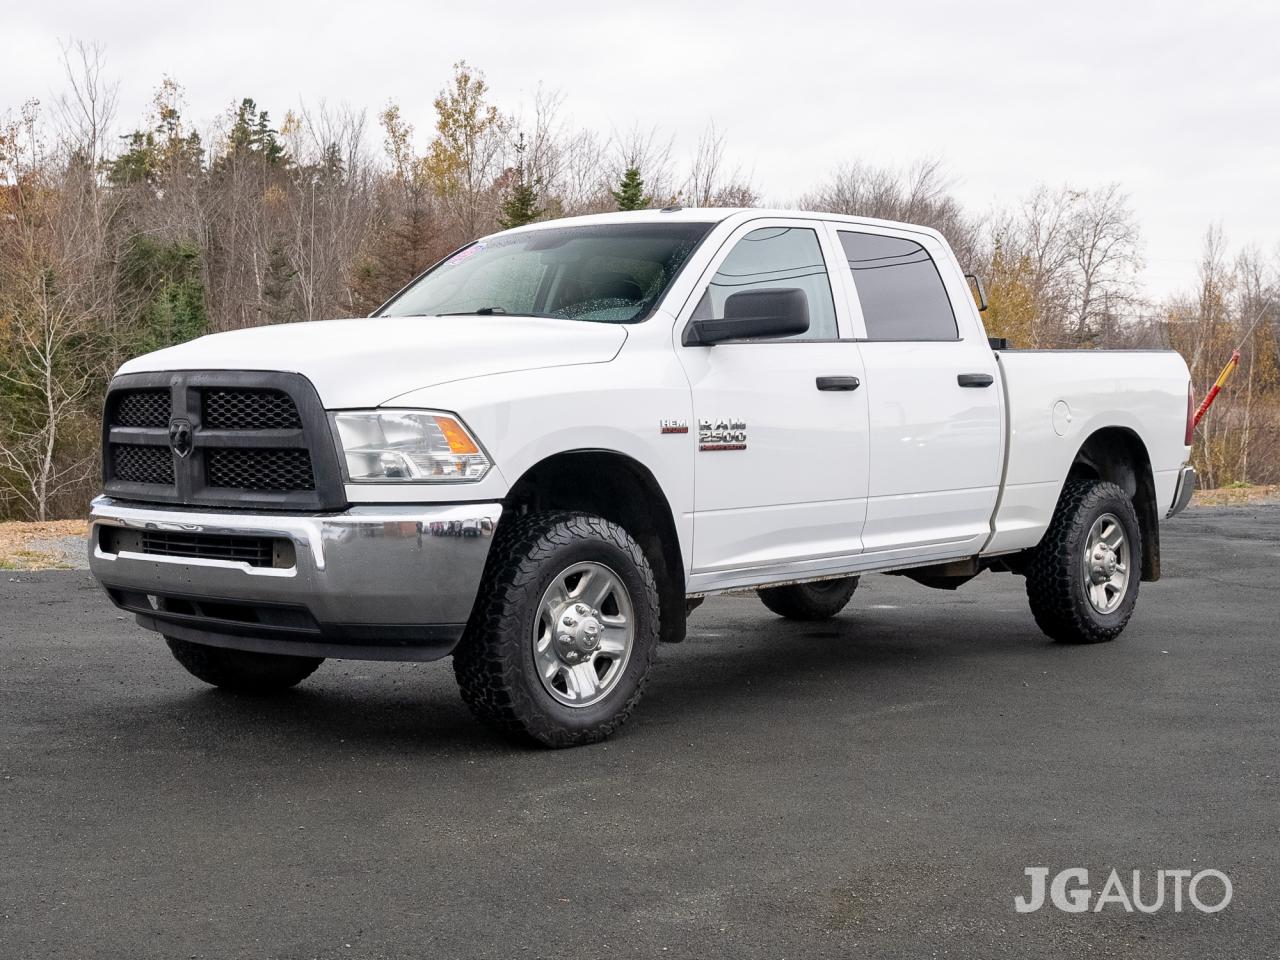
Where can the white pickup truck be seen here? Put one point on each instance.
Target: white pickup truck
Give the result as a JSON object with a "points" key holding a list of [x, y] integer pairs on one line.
{"points": [[541, 454]]}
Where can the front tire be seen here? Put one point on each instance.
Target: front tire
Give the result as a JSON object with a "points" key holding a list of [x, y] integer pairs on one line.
{"points": [[820, 600], [564, 631], [242, 671], [1082, 579]]}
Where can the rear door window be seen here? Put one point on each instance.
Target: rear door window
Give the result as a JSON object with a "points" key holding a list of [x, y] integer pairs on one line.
{"points": [[899, 287]]}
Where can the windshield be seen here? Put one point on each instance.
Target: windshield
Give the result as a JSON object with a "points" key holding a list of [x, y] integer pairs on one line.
{"points": [[607, 273]]}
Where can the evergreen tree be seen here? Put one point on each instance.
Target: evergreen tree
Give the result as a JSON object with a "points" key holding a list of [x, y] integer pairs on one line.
{"points": [[630, 193], [521, 204], [252, 132], [164, 279]]}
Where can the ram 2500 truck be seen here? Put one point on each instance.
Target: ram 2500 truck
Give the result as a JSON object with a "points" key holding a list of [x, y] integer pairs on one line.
{"points": [[542, 453]]}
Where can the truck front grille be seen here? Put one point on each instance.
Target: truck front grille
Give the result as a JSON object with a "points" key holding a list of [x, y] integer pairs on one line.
{"points": [[142, 408], [253, 469], [142, 463], [220, 439], [250, 410]]}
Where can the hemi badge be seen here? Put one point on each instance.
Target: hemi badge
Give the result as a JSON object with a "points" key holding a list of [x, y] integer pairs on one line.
{"points": [[674, 426]]}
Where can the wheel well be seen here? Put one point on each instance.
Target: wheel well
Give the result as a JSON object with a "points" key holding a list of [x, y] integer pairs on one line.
{"points": [[1118, 455], [621, 489]]}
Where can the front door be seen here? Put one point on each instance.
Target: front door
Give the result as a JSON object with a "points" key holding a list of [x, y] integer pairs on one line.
{"points": [[781, 471]]}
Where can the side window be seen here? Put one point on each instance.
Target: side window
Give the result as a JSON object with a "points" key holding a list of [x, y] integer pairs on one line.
{"points": [[775, 259], [899, 287]]}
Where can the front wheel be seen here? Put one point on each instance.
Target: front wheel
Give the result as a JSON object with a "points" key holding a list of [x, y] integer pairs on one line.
{"points": [[1082, 580], [242, 671], [564, 630]]}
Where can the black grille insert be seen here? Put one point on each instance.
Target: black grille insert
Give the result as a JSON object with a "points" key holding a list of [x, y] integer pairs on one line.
{"points": [[142, 408], [249, 468], [247, 409], [253, 550], [135, 463]]}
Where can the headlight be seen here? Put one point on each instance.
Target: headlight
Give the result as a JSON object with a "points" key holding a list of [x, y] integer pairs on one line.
{"points": [[408, 445]]}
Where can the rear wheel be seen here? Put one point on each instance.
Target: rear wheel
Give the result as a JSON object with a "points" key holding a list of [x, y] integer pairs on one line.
{"points": [[819, 600], [1082, 580], [241, 670], [564, 630]]}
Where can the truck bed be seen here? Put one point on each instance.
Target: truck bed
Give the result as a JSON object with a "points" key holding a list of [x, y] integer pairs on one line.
{"points": [[1054, 400]]}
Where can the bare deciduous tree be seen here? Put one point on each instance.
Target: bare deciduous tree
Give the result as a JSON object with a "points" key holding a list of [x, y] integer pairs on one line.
{"points": [[1102, 241], [919, 194], [54, 290], [711, 183], [329, 208]]}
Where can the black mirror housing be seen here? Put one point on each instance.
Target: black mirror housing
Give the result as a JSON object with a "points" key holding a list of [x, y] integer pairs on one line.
{"points": [[754, 314]]}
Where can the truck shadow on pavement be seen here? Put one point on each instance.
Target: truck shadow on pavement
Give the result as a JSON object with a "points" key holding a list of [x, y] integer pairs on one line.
{"points": [[733, 670]]}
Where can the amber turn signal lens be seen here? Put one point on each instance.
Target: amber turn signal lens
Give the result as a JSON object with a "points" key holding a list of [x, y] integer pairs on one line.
{"points": [[458, 440]]}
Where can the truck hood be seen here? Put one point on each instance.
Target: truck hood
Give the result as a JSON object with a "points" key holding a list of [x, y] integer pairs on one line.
{"points": [[367, 362]]}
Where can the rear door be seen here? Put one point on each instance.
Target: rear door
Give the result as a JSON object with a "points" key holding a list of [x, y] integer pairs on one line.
{"points": [[934, 403], [780, 475]]}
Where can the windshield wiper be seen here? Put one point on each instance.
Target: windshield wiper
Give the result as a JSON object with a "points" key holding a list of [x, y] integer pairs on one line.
{"points": [[495, 312], [478, 312]]}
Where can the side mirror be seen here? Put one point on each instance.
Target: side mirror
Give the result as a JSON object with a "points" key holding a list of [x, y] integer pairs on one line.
{"points": [[754, 314], [979, 289]]}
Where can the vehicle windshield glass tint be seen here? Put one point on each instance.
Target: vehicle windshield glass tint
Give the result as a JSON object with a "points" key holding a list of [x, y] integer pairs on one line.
{"points": [[607, 273]]}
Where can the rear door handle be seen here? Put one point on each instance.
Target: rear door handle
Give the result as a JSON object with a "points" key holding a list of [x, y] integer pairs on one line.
{"points": [[839, 383], [975, 379]]}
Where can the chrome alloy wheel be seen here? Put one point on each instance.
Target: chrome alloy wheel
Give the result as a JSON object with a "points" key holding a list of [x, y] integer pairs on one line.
{"points": [[583, 634], [1106, 564]]}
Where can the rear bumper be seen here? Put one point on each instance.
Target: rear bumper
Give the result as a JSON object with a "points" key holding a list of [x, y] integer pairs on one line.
{"points": [[374, 583], [1182, 494]]}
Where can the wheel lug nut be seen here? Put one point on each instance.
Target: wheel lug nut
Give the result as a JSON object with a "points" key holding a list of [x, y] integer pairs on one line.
{"points": [[568, 620], [581, 609]]}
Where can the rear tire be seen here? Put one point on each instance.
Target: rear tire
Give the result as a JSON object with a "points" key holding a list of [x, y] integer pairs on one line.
{"points": [[1082, 579], [242, 671], [564, 631], [820, 600]]}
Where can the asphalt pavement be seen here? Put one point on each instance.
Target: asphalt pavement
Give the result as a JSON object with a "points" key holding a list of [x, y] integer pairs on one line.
{"points": [[875, 785]]}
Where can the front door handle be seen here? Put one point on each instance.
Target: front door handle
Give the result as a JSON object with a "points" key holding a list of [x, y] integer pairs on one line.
{"points": [[839, 383], [975, 379]]}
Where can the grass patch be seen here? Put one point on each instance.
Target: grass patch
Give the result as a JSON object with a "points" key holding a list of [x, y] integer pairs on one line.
{"points": [[1238, 494], [33, 560], [34, 546]]}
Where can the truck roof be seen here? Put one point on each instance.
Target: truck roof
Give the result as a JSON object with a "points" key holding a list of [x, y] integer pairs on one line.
{"points": [[716, 215]]}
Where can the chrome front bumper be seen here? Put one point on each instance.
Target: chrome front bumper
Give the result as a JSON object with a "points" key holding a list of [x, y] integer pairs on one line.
{"points": [[376, 583], [1182, 494]]}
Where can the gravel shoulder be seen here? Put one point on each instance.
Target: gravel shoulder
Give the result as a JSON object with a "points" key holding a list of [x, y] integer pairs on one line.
{"points": [[54, 545]]}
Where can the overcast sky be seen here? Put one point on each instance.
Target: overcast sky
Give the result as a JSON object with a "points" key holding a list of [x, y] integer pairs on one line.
{"points": [[1178, 101]]}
